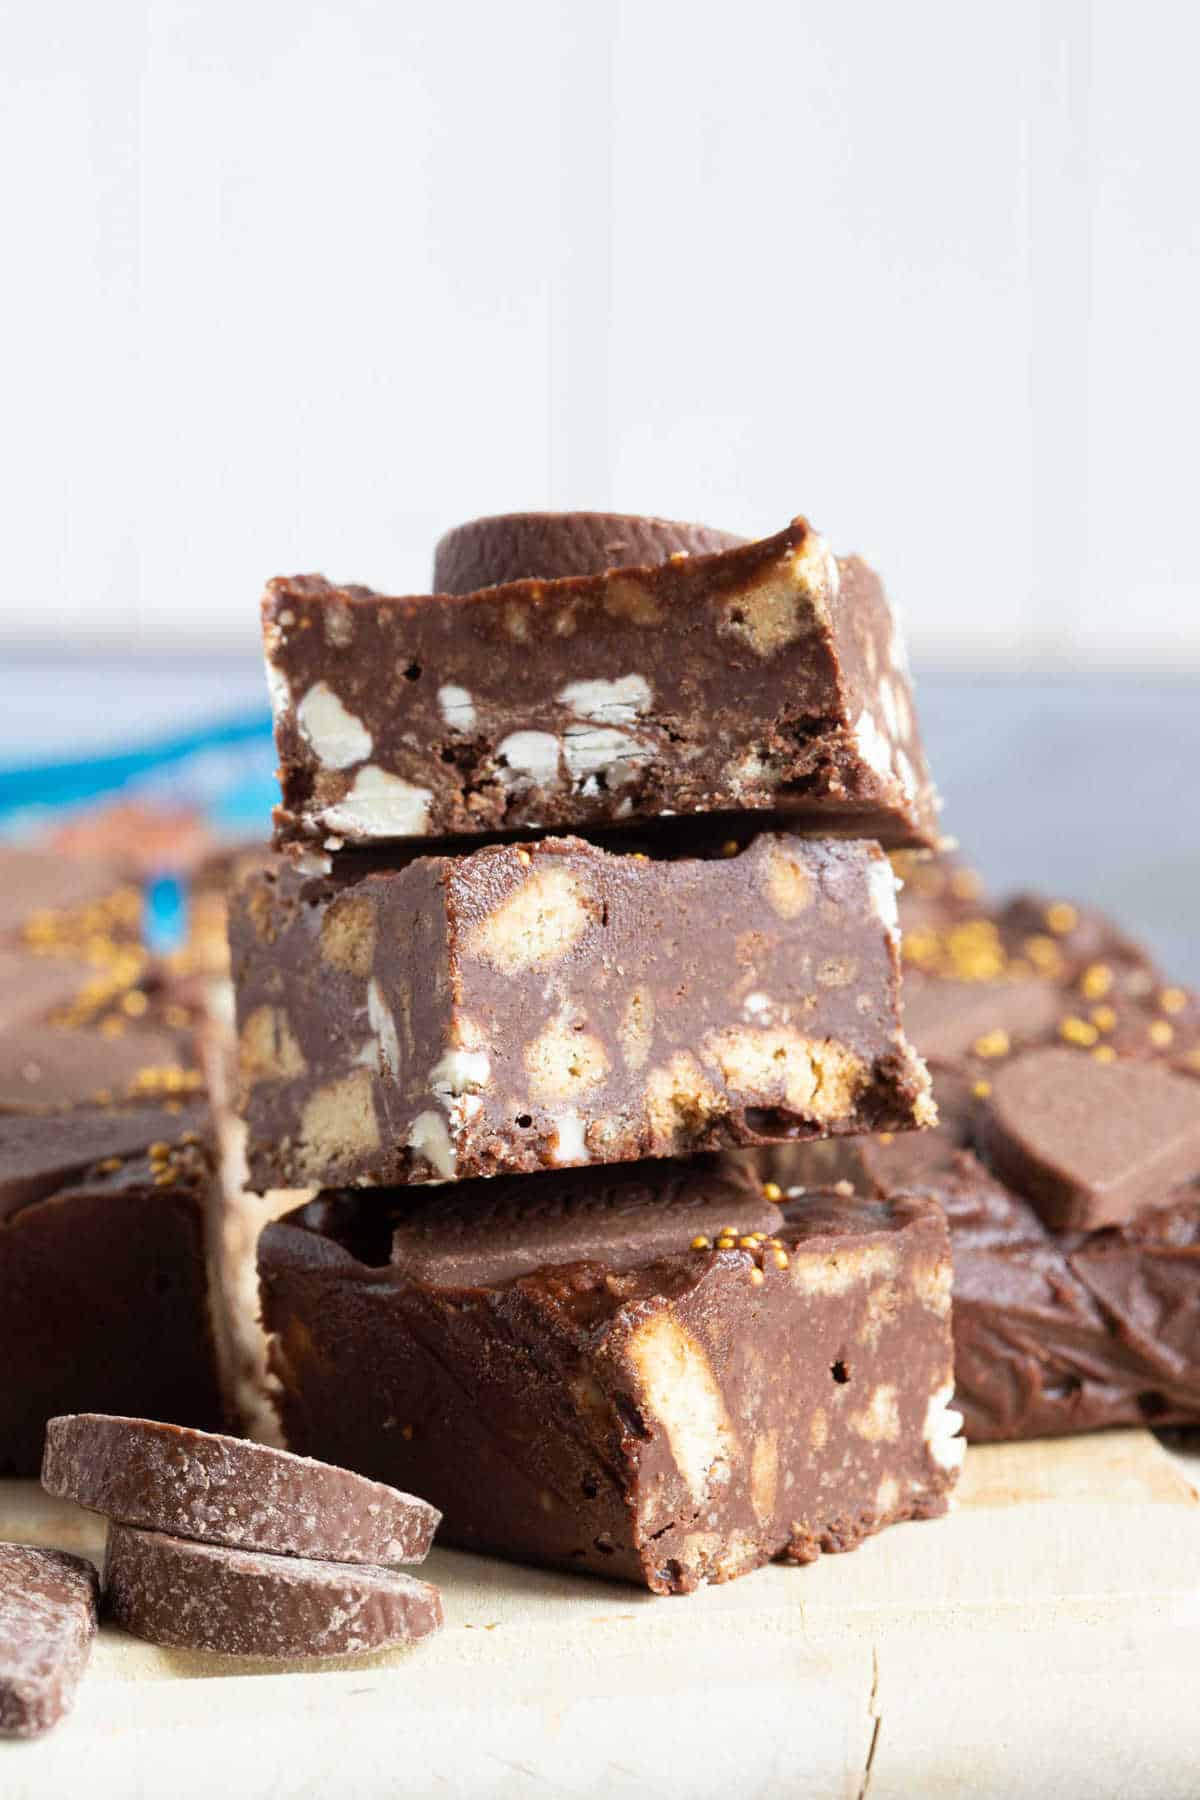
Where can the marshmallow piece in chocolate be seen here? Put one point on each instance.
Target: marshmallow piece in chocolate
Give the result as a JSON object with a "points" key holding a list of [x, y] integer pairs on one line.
{"points": [[1090, 1143], [547, 546], [229, 1491], [193, 1596], [48, 1603]]}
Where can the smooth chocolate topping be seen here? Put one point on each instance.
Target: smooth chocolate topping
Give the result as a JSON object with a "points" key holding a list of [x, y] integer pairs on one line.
{"points": [[46, 1069], [48, 1603], [1090, 1143], [497, 1230], [229, 1491], [948, 1018], [194, 1596], [543, 546], [44, 1153]]}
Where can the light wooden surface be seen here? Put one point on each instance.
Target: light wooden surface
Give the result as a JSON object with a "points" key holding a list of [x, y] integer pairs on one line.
{"points": [[1043, 1640]]}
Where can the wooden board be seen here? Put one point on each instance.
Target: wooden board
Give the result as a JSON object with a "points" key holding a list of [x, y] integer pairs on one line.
{"points": [[1043, 1640]]}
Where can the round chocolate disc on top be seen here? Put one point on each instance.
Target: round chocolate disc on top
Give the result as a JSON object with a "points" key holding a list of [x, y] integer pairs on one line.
{"points": [[193, 1596], [547, 546], [224, 1490]]}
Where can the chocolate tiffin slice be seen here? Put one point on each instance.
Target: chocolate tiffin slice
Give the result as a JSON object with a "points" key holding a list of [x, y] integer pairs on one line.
{"points": [[228, 1491], [192, 1596]]}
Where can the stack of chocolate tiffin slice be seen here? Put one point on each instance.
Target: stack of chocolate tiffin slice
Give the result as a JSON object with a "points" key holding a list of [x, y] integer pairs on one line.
{"points": [[581, 904]]}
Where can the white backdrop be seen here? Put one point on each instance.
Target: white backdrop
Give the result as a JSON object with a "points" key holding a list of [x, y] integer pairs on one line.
{"points": [[296, 286]]}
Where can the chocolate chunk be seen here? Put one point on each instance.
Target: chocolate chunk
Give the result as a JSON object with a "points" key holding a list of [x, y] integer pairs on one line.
{"points": [[622, 1220], [669, 1419], [542, 546], [525, 1006], [195, 1596], [229, 1491], [48, 1604], [768, 677], [1090, 1143], [104, 1289]]}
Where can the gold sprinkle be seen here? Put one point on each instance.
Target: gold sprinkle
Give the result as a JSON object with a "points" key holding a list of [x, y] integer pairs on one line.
{"points": [[134, 1004], [1161, 1034], [523, 856], [701, 1243], [176, 1017], [780, 1258], [992, 1043], [746, 1243], [1192, 1058], [757, 1277], [112, 1028], [844, 1188], [724, 1243], [1173, 999], [1077, 1031], [887, 1137], [966, 884], [730, 847], [981, 1089], [159, 1151], [1095, 981], [1104, 1018], [1061, 917], [406, 1431], [1104, 1053], [772, 1192], [109, 1166], [165, 1177]]}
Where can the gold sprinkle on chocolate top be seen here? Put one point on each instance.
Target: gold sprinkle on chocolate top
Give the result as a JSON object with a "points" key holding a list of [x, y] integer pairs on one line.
{"points": [[1095, 981], [1061, 917], [1077, 1031]]}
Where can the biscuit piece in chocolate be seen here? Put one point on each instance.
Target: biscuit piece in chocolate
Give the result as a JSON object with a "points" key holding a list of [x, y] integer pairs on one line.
{"points": [[525, 1006], [104, 1292], [775, 1385], [769, 676], [194, 1596], [48, 1603], [1090, 1143], [545, 546], [229, 1491]]}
